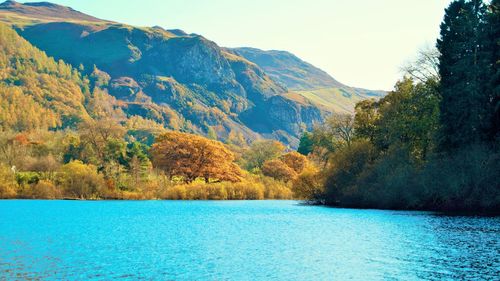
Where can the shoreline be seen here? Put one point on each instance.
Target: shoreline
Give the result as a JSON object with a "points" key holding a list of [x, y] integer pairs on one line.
{"points": [[300, 202]]}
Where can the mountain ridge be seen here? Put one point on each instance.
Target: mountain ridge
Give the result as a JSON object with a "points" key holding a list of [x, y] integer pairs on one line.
{"points": [[46, 12], [307, 80], [211, 87]]}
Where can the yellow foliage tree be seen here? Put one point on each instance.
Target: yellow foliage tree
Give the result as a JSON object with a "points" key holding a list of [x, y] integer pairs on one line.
{"points": [[295, 160], [81, 181], [191, 157]]}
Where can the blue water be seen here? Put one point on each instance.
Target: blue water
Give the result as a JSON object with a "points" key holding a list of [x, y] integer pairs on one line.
{"points": [[246, 240]]}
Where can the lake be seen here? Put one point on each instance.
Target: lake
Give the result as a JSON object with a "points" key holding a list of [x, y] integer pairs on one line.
{"points": [[240, 240]]}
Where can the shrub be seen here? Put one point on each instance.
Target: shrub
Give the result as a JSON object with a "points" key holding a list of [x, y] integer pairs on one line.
{"points": [[7, 183], [45, 190], [309, 185], [81, 181]]}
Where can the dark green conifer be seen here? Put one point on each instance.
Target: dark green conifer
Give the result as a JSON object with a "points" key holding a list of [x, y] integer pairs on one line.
{"points": [[464, 75]]}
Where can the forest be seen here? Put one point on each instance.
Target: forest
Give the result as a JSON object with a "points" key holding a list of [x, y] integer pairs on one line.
{"points": [[64, 137], [431, 144]]}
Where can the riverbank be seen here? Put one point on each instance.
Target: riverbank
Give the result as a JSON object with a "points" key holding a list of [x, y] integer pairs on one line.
{"points": [[263, 188]]}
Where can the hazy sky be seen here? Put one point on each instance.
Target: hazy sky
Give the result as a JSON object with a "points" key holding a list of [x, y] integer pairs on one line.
{"points": [[361, 43]]}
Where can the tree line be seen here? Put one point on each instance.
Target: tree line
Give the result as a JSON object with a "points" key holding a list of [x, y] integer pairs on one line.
{"points": [[431, 143], [62, 135]]}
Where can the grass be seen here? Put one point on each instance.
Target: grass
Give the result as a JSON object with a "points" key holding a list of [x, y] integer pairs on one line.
{"points": [[335, 99]]}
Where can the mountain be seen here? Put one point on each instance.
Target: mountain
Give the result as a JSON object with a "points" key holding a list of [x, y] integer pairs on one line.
{"points": [[182, 81], [150, 68], [307, 80], [29, 13]]}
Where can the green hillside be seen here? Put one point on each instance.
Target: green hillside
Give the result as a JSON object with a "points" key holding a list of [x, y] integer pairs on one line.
{"points": [[307, 80], [152, 69]]}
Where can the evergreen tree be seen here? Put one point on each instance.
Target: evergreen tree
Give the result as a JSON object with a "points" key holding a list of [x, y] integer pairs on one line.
{"points": [[462, 68], [494, 44], [306, 144]]}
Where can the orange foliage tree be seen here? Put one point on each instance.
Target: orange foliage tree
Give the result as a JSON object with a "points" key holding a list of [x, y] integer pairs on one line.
{"points": [[276, 169], [295, 160], [191, 157]]}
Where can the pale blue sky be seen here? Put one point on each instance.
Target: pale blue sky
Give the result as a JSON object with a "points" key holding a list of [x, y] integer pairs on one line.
{"points": [[361, 43]]}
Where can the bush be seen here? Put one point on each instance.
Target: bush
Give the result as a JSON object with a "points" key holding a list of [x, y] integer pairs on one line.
{"points": [[309, 185], [466, 181], [7, 183], [45, 190], [81, 181], [346, 165], [251, 188]]}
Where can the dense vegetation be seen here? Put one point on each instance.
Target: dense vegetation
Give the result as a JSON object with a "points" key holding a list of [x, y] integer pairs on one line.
{"points": [[433, 142], [63, 136], [181, 81]]}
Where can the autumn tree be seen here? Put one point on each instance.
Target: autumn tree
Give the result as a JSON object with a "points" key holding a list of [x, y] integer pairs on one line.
{"points": [[191, 157], [295, 161], [98, 134], [277, 169], [260, 151], [81, 181]]}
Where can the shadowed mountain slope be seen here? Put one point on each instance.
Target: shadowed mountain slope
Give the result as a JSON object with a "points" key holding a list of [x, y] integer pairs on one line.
{"points": [[153, 70]]}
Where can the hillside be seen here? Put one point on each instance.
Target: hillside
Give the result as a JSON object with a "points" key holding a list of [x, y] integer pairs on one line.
{"points": [[187, 75], [307, 80], [30, 13], [185, 81], [37, 92]]}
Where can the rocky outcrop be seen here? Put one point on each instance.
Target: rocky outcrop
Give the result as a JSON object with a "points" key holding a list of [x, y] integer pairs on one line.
{"points": [[202, 83]]}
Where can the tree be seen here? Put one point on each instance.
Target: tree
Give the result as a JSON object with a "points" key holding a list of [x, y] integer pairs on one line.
{"points": [[462, 68], [408, 116], [138, 163], [493, 21], [98, 134], [425, 66], [278, 170], [295, 161], [306, 144], [260, 151], [191, 157], [342, 127], [81, 181], [365, 119]]}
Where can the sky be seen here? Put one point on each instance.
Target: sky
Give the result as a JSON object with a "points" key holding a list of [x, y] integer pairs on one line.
{"points": [[361, 43]]}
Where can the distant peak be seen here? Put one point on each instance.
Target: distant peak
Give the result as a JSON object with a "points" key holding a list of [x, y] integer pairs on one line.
{"points": [[10, 3], [46, 11], [178, 32], [42, 4]]}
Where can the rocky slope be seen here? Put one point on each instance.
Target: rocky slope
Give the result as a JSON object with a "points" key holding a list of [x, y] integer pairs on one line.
{"points": [[167, 75], [307, 80]]}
